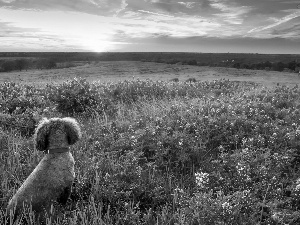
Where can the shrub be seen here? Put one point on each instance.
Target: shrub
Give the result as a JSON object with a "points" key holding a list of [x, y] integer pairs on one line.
{"points": [[8, 66], [46, 64], [192, 62], [21, 64], [174, 80], [191, 79], [79, 96], [172, 61]]}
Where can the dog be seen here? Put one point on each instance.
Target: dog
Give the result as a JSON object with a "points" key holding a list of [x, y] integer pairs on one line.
{"points": [[50, 182]]}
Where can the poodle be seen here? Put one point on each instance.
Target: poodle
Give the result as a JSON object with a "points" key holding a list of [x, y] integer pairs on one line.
{"points": [[51, 181]]}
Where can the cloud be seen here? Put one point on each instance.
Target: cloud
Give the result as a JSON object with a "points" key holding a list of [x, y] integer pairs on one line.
{"points": [[123, 7], [85, 31], [188, 4], [98, 7], [290, 2], [7, 1], [32, 39], [153, 24], [171, 7], [154, 13], [97, 33], [290, 30], [231, 12], [106, 25], [277, 22], [9, 30]]}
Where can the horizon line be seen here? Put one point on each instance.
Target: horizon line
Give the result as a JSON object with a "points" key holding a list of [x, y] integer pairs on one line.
{"points": [[106, 52]]}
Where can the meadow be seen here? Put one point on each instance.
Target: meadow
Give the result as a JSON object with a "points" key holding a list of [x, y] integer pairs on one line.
{"points": [[222, 150], [114, 71]]}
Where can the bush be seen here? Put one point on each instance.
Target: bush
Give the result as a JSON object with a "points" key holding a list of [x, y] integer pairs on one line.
{"points": [[46, 64], [174, 80], [19, 107], [191, 79], [192, 62], [8, 66], [79, 96], [21, 64], [173, 61]]}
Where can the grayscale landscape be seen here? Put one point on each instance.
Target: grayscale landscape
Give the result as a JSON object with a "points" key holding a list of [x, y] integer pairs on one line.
{"points": [[189, 112]]}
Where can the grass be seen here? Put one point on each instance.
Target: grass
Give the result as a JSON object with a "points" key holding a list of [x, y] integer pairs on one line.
{"points": [[156, 152], [107, 71]]}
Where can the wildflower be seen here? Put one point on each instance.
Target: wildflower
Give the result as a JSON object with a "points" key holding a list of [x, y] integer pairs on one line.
{"points": [[46, 110], [278, 190], [178, 190], [221, 148], [245, 193], [240, 167], [180, 142], [244, 140], [248, 178], [106, 177], [139, 171], [245, 150], [202, 179], [226, 206]]}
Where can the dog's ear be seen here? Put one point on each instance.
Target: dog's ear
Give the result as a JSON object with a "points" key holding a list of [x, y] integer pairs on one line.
{"points": [[72, 129], [41, 135]]}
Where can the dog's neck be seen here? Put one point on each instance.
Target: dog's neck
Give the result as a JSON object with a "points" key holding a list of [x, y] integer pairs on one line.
{"points": [[57, 150]]}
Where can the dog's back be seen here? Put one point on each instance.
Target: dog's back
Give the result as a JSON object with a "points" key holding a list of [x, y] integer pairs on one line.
{"points": [[46, 184]]}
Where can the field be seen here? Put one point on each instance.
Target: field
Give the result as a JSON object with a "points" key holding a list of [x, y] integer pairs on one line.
{"points": [[222, 150], [112, 71]]}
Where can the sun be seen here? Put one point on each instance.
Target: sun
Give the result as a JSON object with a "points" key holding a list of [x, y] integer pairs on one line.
{"points": [[97, 45]]}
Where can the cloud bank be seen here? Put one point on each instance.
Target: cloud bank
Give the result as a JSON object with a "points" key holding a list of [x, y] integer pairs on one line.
{"points": [[116, 25]]}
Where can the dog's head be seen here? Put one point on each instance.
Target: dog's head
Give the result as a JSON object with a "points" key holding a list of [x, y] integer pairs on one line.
{"points": [[46, 127]]}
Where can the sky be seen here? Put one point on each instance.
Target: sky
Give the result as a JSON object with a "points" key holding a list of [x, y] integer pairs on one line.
{"points": [[217, 26]]}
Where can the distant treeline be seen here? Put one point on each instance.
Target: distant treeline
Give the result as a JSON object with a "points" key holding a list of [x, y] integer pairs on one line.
{"points": [[152, 56], [8, 65], [292, 66], [10, 61]]}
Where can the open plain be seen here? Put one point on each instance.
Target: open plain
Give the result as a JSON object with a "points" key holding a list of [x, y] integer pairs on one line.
{"points": [[112, 71]]}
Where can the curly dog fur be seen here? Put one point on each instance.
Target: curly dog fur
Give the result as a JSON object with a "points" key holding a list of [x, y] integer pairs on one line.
{"points": [[51, 180]]}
